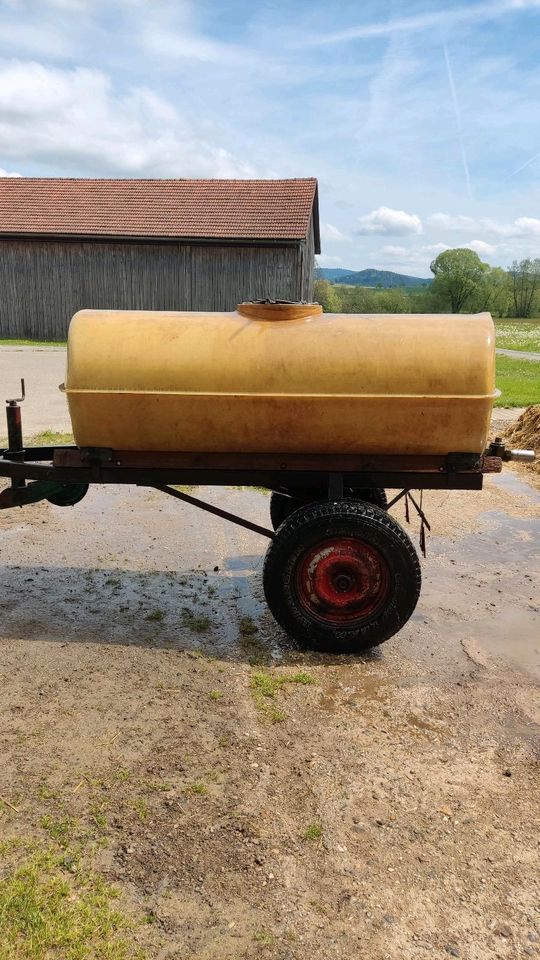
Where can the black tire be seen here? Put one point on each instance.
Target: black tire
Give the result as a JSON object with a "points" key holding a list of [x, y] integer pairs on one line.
{"points": [[281, 506], [374, 495], [357, 555], [68, 494]]}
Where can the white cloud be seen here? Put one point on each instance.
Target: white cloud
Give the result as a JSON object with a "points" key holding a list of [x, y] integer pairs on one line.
{"points": [[185, 44], [520, 227], [435, 248], [7, 173], [75, 117], [481, 248], [384, 220], [324, 260], [451, 223], [329, 232], [36, 39], [394, 251], [527, 227]]}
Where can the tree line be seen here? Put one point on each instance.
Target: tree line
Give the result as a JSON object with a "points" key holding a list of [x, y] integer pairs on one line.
{"points": [[462, 282]]}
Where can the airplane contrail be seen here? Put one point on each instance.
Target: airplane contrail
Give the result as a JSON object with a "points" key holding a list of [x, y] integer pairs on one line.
{"points": [[459, 125], [470, 13], [523, 165]]}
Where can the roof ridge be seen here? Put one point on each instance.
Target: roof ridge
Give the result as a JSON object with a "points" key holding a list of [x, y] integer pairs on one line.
{"points": [[246, 180], [275, 209]]}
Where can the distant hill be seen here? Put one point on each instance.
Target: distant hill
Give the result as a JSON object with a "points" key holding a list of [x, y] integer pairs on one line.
{"points": [[371, 278], [333, 273]]}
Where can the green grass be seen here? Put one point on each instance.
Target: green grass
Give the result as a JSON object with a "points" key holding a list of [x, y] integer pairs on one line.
{"points": [[261, 936], [247, 627], [196, 623], [48, 911], [156, 616], [313, 832], [518, 335], [197, 789], [141, 806], [267, 685], [47, 438], [51, 438], [32, 343], [264, 687], [62, 829], [518, 381]]}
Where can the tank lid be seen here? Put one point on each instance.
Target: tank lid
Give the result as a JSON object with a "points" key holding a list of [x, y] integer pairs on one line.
{"points": [[278, 309]]}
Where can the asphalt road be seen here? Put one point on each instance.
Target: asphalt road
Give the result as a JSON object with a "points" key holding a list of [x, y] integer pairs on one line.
{"points": [[43, 369], [518, 354]]}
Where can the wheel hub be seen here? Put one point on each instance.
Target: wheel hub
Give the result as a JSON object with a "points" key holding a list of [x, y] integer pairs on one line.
{"points": [[342, 579]]}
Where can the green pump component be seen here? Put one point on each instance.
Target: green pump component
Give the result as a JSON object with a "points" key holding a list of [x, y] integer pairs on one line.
{"points": [[60, 494]]}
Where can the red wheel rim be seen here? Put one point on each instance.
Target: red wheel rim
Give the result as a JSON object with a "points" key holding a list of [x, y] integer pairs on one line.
{"points": [[342, 580]]}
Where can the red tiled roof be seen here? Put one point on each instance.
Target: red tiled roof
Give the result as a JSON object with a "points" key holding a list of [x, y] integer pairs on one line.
{"points": [[169, 209]]}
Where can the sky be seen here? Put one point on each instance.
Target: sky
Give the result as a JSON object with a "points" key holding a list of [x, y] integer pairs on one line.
{"points": [[421, 120]]}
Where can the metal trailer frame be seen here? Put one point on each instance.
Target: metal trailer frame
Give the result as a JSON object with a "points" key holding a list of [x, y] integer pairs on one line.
{"points": [[340, 598], [36, 473]]}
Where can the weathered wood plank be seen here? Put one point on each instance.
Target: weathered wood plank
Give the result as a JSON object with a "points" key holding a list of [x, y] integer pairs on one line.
{"points": [[44, 282]]}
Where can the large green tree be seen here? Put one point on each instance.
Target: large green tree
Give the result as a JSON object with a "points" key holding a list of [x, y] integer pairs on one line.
{"points": [[326, 294], [494, 293], [525, 276], [458, 276]]}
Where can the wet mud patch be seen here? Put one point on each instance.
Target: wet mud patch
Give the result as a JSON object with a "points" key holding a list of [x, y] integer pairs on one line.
{"points": [[383, 806]]}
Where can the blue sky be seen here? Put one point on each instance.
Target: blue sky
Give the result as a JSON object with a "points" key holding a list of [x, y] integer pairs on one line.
{"points": [[420, 119]]}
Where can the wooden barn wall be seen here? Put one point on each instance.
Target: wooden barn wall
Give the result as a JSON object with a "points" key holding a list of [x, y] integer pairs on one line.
{"points": [[43, 283], [307, 253]]}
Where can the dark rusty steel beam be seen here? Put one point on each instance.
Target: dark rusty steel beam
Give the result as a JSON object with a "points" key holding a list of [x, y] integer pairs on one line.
{"points": [[284, 462], [216, 511], [273, 479]]}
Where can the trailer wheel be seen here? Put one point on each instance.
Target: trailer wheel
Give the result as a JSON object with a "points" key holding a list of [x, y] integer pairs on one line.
{"points": [[341, 576], [68, 494], [282, 506]]}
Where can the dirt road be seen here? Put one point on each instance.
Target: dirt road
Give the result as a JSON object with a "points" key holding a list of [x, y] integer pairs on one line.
{"points": [[247, 799], [250, 800]]}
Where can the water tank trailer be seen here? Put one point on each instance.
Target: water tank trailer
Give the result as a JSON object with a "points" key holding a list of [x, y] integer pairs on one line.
{"points": [[328, 411]]}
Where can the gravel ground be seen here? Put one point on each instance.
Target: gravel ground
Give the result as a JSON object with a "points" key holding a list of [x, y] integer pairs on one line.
{"points": [[388, 808], [383, 806]]}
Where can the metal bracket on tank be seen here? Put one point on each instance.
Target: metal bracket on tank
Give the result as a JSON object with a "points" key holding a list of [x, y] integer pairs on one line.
{"points": [[13, 403], [463, 461], [291, 303]]}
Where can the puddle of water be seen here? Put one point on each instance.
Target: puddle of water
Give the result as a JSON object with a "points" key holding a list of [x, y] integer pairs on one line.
{"points": [[420, 724], [502, 539], [369, 688], [491, 579], [510, 481], [135, 564], [513, 637]]}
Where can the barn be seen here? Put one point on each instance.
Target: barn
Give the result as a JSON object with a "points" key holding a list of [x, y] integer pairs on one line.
{"points": [[67, 244]]}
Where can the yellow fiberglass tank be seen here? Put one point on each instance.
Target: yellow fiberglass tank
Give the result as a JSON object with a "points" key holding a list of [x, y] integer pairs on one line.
{"points": [[281, 378]]}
